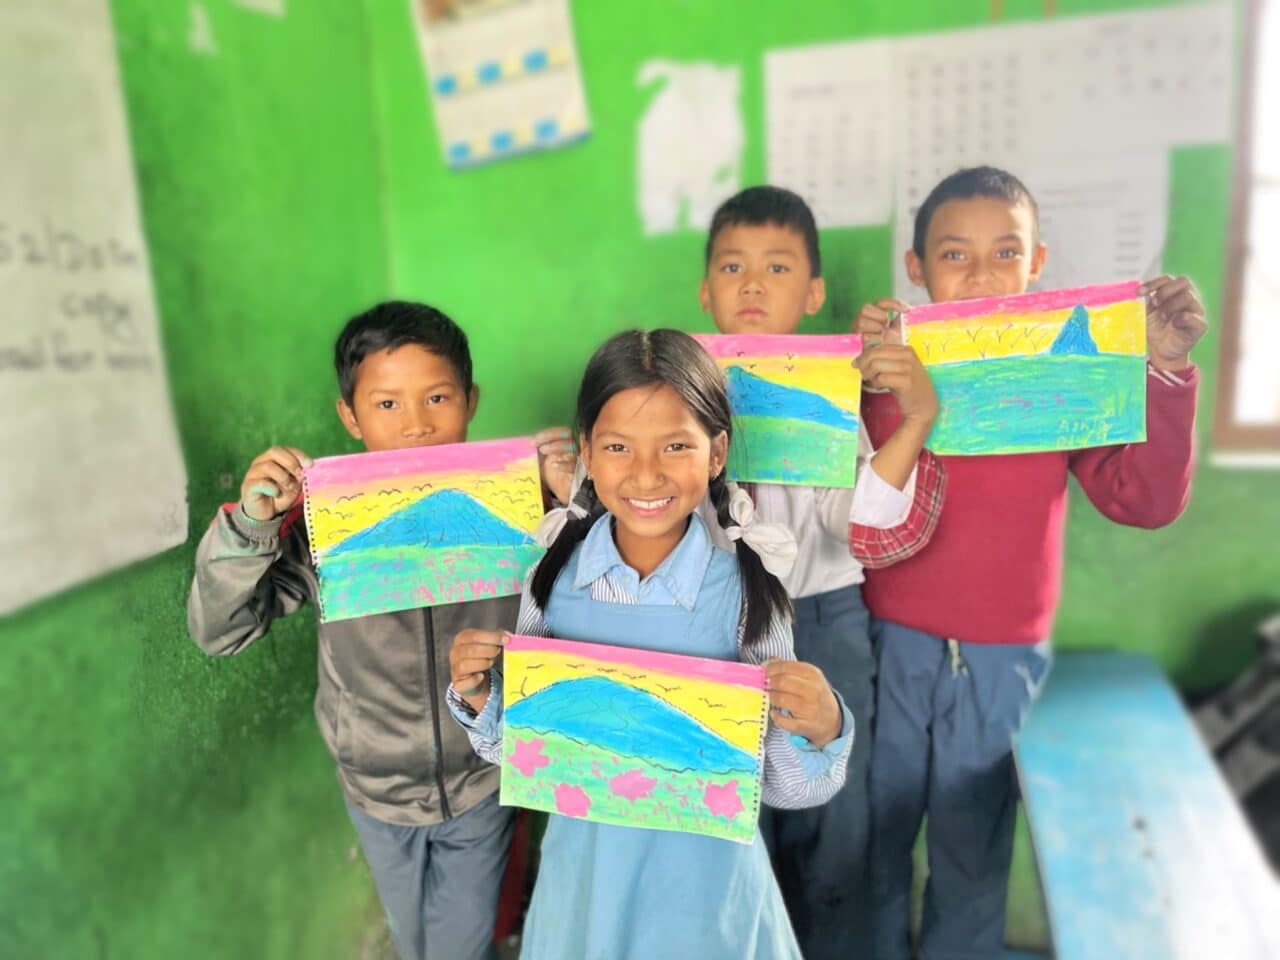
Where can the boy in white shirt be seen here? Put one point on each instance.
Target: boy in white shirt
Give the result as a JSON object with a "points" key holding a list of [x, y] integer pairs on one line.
{"points": [[763, 276]]}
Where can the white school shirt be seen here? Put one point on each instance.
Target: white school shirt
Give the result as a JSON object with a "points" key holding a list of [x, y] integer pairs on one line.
{"points": [[819, 517]]}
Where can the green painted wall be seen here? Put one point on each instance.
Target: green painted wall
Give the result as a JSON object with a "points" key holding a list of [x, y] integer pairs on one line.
{"points": [[160, 799], [157, 802]]}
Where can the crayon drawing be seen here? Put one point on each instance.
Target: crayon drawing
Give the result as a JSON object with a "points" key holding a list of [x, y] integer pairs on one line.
{"points": [[1059, 370], [795, 407], [632, 737], [399, 529]]}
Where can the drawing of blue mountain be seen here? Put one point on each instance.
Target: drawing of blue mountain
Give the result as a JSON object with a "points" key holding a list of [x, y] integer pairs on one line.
{"points": [[622, 719], [446, 519], [1074, 339], [750, 395]]}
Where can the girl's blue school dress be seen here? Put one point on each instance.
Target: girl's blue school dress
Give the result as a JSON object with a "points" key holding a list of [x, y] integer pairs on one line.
{"points": [[611, 893]]}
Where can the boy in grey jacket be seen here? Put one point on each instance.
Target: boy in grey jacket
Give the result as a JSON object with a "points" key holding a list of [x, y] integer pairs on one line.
{"points": [[424, 805]]}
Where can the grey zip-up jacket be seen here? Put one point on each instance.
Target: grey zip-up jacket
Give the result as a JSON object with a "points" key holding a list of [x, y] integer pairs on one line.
{"points": [[380, 702]]}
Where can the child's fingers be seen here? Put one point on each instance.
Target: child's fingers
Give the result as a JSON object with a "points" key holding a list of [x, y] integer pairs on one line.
{"points": [[474, 635], [804, 684], [473, 657], [800, 706], [302, 459], [550, 435], [470, 665], [877, 368], [1159, 288], [897, 380], [790, 724], [286, 457], [889, 351], [1149, 287], [470, 685], [775, 668], [274, 474], [1182, 302], [481, 649], [557, 448], [281, 458], [869, 324], [262, 488]]}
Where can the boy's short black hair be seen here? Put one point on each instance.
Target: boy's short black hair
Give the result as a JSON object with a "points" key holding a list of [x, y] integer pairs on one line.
{"points": [[757, 206], [393, 324], [965, 185]]}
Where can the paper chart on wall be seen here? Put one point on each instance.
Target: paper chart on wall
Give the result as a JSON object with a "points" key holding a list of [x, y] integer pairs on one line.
{"points": [[503, 76], [92, 474], [1088, 90], [829, 132]]}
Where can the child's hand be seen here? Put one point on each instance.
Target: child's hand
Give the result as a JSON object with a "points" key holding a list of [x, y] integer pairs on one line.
{"points": [[273, 482], [557, 459], [898, 369], [802, 691], [1175, 321], [471, 657], [881, 322]]}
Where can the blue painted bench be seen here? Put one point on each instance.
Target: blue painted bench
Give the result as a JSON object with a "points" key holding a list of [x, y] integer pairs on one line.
{"points": [[1142, 851]]}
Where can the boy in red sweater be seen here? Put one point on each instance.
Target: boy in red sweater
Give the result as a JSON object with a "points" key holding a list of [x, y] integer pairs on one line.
{"points": [[961, 630]]}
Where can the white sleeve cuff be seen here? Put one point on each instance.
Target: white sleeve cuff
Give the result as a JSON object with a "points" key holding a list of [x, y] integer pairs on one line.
{"points": [[878, 503]]}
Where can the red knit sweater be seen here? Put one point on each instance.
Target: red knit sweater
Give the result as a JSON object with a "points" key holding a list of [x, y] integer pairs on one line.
{"points": [[993, 571]]}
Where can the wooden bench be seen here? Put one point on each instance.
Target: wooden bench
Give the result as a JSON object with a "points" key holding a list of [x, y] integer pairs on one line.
{"points": [[1142, 850]]}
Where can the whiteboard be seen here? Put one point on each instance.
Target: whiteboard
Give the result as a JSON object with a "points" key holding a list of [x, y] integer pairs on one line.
{"points": [[91, 476]]}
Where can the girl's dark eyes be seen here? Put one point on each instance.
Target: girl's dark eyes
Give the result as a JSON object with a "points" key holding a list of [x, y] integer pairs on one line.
{"points": [[678, 447], [386, 404], [615, 448]]}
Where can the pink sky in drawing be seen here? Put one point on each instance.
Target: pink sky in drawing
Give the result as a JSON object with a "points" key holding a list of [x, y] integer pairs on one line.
{"points": [[694, 668], [633, 785], [773, 345], [528, 757], [572, 801], [723, 801], [1096, 296], [419, 462]]}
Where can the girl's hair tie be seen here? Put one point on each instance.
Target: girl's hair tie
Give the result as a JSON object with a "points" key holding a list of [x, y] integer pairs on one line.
{"points": [[554, 521], [773, 543]]}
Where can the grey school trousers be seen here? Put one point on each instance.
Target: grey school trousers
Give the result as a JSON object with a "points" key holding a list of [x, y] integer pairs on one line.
{"points": [[439, 885]]}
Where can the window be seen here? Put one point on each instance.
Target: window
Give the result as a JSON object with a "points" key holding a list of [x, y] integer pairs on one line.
{"points": [[1247, 418]]}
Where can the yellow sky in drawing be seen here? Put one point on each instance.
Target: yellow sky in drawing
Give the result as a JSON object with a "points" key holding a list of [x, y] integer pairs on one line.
{"points": [[835, 378], [515, 495], [1116, 328], [719, 707]]}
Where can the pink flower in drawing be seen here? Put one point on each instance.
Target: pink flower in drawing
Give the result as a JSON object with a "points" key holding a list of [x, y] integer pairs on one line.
{"points": [[528, 757], [633, 785], [596, 771], [572, 801], [723, 801]]}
